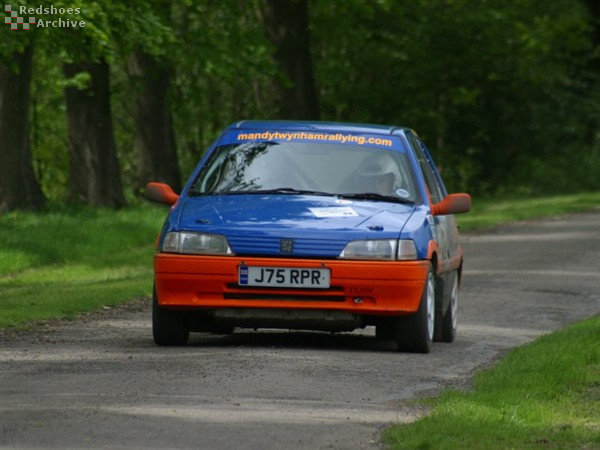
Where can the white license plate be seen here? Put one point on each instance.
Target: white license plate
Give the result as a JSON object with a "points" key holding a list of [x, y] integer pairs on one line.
{"points": [[290, 277]]}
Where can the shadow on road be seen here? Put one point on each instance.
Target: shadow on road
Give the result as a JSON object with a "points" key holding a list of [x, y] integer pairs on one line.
{"points": [[295, 339]]}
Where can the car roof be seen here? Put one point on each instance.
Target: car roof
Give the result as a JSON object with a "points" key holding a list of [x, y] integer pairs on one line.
{"points": [[293, 125]]}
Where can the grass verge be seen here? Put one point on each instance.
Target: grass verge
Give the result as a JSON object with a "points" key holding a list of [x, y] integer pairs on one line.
{"points": [[544, 395], [490, 212], [60, 263]]}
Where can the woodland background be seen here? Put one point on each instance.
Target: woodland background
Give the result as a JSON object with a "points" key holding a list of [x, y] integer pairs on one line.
{"points": [[506, 93]]}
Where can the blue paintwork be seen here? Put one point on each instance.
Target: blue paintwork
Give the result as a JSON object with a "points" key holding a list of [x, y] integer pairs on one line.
{"points": [[254, 223], [331, 127]]}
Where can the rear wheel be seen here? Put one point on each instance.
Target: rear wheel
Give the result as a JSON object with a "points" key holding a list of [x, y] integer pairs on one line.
{"points": [[168, 327], [415, 333]]}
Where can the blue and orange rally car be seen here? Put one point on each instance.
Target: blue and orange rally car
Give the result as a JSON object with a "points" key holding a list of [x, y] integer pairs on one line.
{"points": [[311, 226]]}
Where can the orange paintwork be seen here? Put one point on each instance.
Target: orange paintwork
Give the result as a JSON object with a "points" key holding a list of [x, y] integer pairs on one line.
{"points": [[452, 204], [444, 264], [432, 249], [361, 287], [161, 193]]}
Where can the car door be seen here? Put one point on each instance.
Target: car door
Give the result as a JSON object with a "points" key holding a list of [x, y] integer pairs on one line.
{"points": [[443, 227]]}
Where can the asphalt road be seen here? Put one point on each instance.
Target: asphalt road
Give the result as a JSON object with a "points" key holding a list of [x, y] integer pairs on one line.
{"points": [[100, 382]]}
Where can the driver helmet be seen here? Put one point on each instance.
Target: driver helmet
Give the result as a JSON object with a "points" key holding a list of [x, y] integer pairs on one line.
{"points": [[379, 174]]}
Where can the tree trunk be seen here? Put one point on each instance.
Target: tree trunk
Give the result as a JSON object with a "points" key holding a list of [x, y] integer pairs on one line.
{"points": [[286, 26], [154, 136], [19, 188], [95, 176]]}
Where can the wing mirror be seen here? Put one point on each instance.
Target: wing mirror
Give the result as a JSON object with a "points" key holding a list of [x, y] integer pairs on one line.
{"points": [[160, 193], [452, 204]]}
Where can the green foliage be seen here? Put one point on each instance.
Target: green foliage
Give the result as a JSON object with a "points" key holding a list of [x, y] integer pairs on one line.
{"points": [[505, 94], [47, 125], [501, 91], [225, 72], [12, 41], [542, 395]]}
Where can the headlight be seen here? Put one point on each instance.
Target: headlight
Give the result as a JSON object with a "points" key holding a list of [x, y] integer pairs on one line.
{"points": [[380, 249], [196, 243]]}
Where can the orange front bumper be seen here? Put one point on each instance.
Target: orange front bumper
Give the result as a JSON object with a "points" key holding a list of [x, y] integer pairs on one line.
{"points": [[359, 287]]}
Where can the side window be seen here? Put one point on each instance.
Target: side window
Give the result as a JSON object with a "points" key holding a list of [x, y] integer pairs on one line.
{"points": [[435, 190]]}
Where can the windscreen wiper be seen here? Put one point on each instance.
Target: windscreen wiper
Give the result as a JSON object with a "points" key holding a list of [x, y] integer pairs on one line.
{"points": [[285, 190], [377, 197]]}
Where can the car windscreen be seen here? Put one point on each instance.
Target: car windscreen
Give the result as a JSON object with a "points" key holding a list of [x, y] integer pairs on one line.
{"points": [[306, 167]]}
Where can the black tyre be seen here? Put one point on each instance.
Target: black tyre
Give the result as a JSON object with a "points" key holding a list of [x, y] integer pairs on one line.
{"points": [[415, 333], [386, 329], [169, 327], [449, 322]]}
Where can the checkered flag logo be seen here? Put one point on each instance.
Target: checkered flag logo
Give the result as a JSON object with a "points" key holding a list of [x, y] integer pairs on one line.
{"points": [[14, 20]]}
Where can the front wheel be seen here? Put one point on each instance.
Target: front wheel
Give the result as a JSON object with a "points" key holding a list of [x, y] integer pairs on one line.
{"points": [[168, 327], [449, 322], [415, 333]]}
